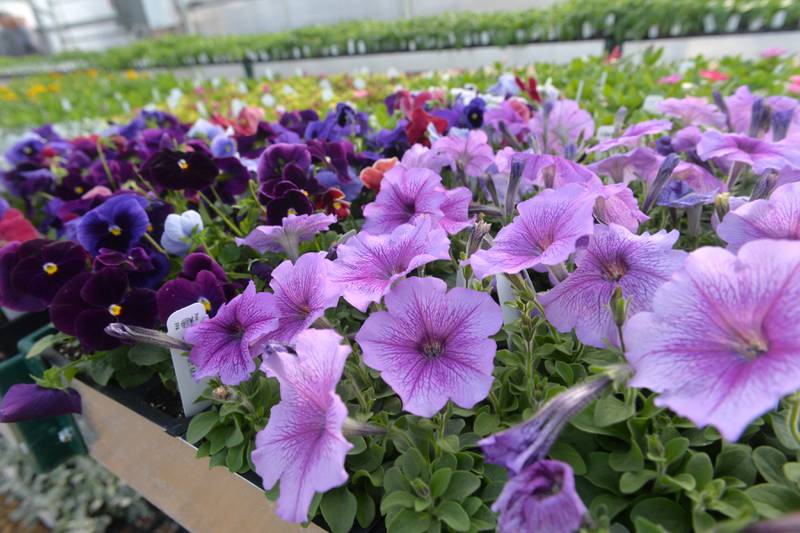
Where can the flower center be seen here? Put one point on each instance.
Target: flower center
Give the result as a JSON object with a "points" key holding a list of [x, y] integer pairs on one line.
{"points": [[291, 211], [27, 150], [79, 189], [337, 205], [115, 309], [150, 228], [207, 304], [752, 347], [614, 270], [50, 268], [432, 348], [182, 164], [115, 230]]}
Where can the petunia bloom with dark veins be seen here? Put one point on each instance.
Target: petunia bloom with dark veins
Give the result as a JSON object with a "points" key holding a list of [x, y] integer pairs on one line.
{"points": [[89, 302], [118, 223]]}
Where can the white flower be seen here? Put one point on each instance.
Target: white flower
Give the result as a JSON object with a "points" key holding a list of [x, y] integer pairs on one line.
{"points": [[178, 229]]}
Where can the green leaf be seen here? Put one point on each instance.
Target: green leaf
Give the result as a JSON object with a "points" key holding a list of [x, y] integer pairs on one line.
{"points": [[664, 512], [200, 425], [43, 344], [408, 521], [453, 515], [439, 481], [610, 410], [774, 501], [600, 474], [411, 463], [397, 499], [235, 458], [100, 370], [629, 461], [735, 461], [792, 472], [235, 437], [680, 482], [339, 508], [462, 484], [562, 451], [699, 467], [675, 449], [393, 480], [147, 355], [485, 424], [631, 482], [769, 461], [365, 514]]}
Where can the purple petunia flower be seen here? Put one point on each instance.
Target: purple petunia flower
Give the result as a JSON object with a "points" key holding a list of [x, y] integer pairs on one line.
{"points": [[540, 498], [118, 224], [367, 265], [432, 345], [641, 163], [565, 123], [616, 204], [471, 153], [87, 303], [226, 345], [28, 401], [720, 344], [732, 148], [614, 257], [693, 111], [776, 218], [551, 171], [545, 232], [633, 134], [405, 195], [302, 445], [287, 237], [302, 293]]}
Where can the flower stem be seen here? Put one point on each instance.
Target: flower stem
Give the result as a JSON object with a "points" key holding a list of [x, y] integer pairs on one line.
{"points": [[221, 215], [794, 416], [154, 244], [104, 162]]}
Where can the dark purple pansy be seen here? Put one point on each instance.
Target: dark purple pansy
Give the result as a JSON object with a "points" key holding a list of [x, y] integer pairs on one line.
{"points": [[46, 266], [118, 223], [27, 179], [333, 156], [89, 302], [145, 268], [473, 113], [272, 162], [178, 293], [26, 150], [157, 212], [232, 180], [288, 201], [10, 296], [176, 170], [28, 401], [195, 263]]}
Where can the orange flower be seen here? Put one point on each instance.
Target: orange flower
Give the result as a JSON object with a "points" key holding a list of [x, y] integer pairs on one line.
{"points": [[371, 176]]}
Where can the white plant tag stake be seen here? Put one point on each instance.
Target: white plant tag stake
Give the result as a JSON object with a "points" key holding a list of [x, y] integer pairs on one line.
{"points": [[188, 388]]}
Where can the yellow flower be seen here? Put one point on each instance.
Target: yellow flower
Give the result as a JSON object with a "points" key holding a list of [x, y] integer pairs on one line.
{"points": [[131, 74]]}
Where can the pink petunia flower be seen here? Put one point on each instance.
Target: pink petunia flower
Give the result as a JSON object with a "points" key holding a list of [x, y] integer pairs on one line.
{"points": [[302, 445], [432, 345]]}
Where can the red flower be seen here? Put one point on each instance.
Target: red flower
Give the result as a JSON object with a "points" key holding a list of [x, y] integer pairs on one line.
{"points": [[371, 176], [15, 227], [530, 88], [333, 203], [713, 75], [418, 126]]}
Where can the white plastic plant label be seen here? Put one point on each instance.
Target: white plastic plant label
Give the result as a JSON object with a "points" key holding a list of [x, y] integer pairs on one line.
{"points": [[188, 388]]}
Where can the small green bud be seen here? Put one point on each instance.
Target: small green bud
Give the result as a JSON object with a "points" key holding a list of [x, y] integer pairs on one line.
{"points": [[619, 307]]}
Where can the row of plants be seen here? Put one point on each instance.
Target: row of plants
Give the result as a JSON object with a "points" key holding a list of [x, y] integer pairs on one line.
{"points": [[616, 20], [78, 100], [471, 305]]}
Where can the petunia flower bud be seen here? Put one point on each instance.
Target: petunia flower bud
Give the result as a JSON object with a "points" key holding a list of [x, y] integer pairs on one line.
{"points": [[517, 165], [720, 102], [146, 336], [759, 118], [722, 205], [780, 124], [764, 185], [664, 173], [479, 230], [619, 307]]}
